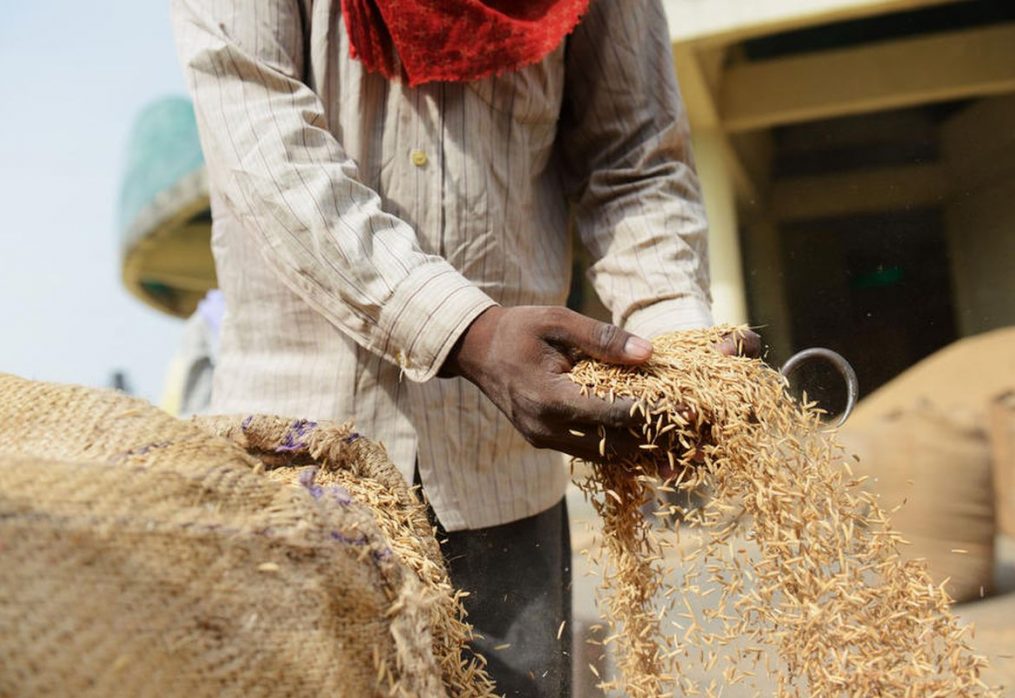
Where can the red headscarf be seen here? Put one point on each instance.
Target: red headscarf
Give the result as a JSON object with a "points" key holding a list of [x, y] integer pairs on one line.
{"points": [[456, 40]]}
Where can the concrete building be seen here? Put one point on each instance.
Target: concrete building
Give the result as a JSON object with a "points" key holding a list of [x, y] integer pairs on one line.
{"points": [[858, 162], [857, 159]]}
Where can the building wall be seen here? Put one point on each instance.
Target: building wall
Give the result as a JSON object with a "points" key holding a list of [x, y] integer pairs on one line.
{"points": [[979, 150], [694, 19], [729, 302]]}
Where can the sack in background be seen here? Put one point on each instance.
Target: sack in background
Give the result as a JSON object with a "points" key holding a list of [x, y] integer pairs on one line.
{"points": [[937, 465], [1001, 421]]}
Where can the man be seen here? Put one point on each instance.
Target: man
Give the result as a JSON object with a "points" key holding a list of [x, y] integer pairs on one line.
{"points": [[391, 182], [189, 377]]}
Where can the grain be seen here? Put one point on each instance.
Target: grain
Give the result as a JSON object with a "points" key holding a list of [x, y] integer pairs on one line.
{"points": [[813, 592]]}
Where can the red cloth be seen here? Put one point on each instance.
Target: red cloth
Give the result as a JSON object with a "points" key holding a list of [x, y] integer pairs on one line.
{"points": [[456, 40]]}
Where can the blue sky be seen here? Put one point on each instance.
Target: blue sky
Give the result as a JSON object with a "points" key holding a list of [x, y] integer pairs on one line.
{"points": [[72, 77]]}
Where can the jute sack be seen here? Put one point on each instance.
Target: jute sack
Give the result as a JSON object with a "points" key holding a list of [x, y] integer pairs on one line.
{"points": [[936, 465], [145, 556], [1001, 421], [964, 375]]}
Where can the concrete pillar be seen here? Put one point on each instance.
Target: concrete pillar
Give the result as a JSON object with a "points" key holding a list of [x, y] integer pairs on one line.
{"points": [[978, 145], [728, 295], [763, 264]]}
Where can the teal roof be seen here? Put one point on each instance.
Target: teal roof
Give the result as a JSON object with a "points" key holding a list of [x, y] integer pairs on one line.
{"points": [[163, 151], [164, 219]]}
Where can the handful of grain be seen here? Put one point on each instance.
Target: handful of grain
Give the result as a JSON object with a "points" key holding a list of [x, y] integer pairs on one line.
{"points": [[812, 591]]}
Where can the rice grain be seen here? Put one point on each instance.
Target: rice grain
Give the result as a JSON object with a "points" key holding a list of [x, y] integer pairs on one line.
{"points": [[815, 579]]}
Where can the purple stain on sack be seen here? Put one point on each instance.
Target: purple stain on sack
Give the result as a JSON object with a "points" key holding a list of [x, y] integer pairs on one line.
{"points": [[294, 438], [340, 494], [142, 450], [246, 422], [361, 539], [352, 437], [307, 475], [382, 555], [306, 479]]}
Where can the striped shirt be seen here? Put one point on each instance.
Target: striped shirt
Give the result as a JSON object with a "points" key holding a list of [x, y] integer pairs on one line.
{"points": [[360, 225]]}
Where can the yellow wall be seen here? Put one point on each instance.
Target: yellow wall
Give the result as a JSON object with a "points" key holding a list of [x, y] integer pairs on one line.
{"points": [[723, 20], [729, 303]]}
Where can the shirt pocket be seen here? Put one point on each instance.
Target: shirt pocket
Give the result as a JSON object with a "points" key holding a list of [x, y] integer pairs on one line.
{"points": [[530, 95]]}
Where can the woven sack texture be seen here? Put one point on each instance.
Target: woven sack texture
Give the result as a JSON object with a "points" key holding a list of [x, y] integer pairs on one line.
{"points": [[964, 375], [254, 556], [1001, 421], [937, 465]]}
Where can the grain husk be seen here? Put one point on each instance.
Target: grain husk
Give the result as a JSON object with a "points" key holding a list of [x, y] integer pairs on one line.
{"points": [[813, 593]]}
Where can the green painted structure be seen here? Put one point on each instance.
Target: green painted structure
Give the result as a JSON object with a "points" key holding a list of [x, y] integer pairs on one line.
{"points": [[164, 218]]}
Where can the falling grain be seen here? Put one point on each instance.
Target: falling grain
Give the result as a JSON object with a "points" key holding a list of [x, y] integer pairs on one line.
{"points": [[822, 588]]}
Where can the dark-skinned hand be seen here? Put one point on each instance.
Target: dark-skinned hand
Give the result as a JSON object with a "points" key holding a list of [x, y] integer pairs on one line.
{"points": [[519, 357]]}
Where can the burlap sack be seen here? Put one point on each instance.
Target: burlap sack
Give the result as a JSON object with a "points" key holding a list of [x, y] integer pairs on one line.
{"points": [[1001, 423], [936, 464], [144, 556], [965, 375]]}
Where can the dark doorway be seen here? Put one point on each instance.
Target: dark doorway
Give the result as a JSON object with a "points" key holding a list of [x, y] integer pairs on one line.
{"points": [[875, 288]]}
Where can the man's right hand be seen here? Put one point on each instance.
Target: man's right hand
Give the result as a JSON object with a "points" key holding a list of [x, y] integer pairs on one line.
{"points": [[519, 357]]}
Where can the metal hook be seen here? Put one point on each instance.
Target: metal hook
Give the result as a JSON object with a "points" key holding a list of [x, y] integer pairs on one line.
{"points": [[845, 370]]}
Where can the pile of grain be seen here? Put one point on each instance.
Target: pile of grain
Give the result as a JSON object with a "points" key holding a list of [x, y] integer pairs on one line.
{"points": [[812, 591], [332, 459]]}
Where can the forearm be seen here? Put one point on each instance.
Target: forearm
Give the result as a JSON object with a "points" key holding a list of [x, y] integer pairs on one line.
{"points": [[649, 243], [630, 172], [291, 184]]}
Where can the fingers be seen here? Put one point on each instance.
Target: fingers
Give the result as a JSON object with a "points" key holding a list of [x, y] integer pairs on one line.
{"points": [[746, 343], [594, 443], [600, 430], [558, 416], [588, 427], [567, 405], [599, 340]]}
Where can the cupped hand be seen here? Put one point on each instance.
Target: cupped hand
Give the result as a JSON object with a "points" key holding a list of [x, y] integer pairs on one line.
{"points": [[520, 357]]}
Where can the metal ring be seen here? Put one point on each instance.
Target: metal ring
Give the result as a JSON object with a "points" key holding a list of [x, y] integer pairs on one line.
{"points": [[840, 363]]}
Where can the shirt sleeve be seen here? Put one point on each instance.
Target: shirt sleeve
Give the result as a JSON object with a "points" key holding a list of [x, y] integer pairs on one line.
{"points": [[289, 181], [628, 169]]}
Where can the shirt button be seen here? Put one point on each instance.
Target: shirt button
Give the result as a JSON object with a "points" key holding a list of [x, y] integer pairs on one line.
{"points": [[419, 158]]}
